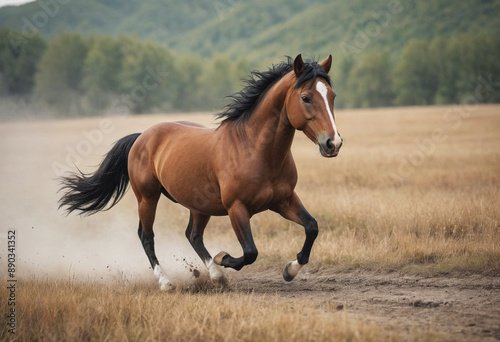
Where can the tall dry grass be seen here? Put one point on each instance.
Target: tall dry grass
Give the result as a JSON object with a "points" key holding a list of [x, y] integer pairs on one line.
{"points": [[414, 189], [72, 311]]}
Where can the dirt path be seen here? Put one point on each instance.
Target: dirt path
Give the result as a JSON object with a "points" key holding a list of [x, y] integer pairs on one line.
{"points": [[456, 308]]}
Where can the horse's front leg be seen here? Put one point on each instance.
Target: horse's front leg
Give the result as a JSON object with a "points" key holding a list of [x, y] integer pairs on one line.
{"points": [[194, 233], [293, 210], [240, 220]]}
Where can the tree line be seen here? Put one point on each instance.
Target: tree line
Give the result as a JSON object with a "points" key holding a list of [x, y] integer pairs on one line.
{"points": [[76, 75], [440, 71]]}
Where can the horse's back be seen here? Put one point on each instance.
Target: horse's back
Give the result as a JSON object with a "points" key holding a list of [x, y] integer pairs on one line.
{"points": [[170, 134], [171, 143], [165, 130]]}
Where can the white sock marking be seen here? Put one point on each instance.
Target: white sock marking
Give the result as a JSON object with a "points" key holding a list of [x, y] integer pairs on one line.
{"points": [[294, 268], [214, 270], [165, 284]]}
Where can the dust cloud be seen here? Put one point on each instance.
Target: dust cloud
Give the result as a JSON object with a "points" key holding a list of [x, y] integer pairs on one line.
{"points": [[103, 247]]}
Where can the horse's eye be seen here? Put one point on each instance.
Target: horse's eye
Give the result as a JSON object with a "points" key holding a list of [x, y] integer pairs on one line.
{"points": [[306, 99]]}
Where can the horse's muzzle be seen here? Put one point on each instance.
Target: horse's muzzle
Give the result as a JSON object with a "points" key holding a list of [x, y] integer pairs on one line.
{"points": [[328, 148]]}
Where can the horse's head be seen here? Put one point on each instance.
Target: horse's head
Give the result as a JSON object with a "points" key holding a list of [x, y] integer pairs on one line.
{"points": [[309, 105]]}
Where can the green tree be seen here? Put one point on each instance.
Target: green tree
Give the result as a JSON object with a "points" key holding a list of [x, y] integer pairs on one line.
{"points": [[102, 69], [58, 82], [216, 82], [148, 76], [446, 62], [478, 57], [370, 83], [415, 77], [241, 71], [463, 63], [340, 75], [19, 58], [188, 89]]}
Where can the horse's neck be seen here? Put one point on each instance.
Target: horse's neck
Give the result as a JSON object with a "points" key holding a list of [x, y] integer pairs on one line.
{"points": [[268, 127]]}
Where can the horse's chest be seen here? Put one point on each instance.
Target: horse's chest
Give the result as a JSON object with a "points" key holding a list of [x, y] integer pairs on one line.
{"points": [[259, 188], [269, 194]]}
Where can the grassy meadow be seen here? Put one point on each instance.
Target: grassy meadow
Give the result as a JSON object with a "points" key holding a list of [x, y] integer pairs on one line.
{"points": [[72, 311], [414, 190]]}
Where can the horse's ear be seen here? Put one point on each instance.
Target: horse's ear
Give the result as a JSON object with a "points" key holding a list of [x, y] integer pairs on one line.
{"points": [[298, 65], [327, 64]]}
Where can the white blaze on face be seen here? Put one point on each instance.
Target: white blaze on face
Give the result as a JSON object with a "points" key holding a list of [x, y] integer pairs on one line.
{"points": [[323, 90]]}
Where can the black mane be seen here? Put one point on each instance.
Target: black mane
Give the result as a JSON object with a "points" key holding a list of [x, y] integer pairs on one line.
{"points": [[259, 82]]}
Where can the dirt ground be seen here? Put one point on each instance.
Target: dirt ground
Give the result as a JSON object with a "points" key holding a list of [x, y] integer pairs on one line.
{"points": [[465, 308]]}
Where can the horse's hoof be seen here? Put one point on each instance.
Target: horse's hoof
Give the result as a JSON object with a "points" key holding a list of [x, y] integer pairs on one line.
{"points": [[218, 258], [291, 270], [286, 274], [167, 286], [216, 275]]}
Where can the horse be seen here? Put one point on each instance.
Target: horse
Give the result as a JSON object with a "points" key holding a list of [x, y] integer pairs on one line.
{"points": [[240, 168]]}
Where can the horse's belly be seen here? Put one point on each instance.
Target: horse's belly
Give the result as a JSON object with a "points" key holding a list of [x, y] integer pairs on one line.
{"points": [[195, 191], [183, 166]]}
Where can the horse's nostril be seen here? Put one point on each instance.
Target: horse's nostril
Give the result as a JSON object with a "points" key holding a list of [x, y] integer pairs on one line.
{"points": [[341, 142], [329, 144]]}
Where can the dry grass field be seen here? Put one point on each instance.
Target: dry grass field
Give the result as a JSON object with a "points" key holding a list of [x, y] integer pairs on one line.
{"points": [[408, 249]]}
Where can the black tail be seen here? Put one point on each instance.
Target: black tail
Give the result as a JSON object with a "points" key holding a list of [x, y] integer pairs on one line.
{"points": [[90, 193]]}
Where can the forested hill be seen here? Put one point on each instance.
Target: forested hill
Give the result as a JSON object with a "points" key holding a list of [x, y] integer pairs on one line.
{"points": [[158, 20], [85, 57], [260, 29]]}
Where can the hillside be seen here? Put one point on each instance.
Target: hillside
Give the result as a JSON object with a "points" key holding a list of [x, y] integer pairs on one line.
{"points": [[268, 29], [84, 54], [261, 29], [156, 20]]}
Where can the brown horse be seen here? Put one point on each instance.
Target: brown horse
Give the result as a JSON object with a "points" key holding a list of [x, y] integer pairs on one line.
{"points": [[242, 167]]}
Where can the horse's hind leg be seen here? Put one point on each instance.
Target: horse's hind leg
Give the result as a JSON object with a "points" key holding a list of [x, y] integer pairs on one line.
{"points": [[147, 212], [194, 233]]}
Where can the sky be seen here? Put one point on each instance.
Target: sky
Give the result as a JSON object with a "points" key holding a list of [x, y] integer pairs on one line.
{"points": [[13, 2]]}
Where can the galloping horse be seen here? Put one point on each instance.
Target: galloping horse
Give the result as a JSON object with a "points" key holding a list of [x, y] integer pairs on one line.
{"points": [[242, 167]]}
